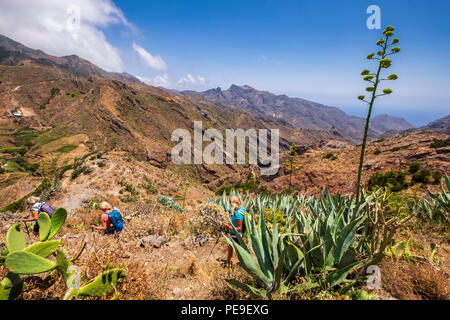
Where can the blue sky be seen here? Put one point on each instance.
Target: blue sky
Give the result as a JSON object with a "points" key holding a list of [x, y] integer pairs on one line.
{"points": [[313, 49]]}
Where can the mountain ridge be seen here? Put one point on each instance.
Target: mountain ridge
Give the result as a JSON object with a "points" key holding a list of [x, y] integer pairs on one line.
{"points": [[301, 113], [13, 53]]}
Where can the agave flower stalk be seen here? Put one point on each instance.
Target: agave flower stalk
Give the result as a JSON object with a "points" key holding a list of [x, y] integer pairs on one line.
{"points": [[375, 79]]}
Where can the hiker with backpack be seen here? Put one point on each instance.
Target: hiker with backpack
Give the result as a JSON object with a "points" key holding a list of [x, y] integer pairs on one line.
{"points": [[238, 221], [37, 208], [111, 219]]}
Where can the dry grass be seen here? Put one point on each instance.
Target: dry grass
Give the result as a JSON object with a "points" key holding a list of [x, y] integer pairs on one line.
{"points": [[414, 281]]}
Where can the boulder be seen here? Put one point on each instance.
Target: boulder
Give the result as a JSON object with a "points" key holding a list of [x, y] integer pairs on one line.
{"points": [[195, 241], [157, 156], [153, 240]]}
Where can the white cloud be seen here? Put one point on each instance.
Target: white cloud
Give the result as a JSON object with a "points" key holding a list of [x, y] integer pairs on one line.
{"points": [[154, 62], [53, 27], [158, 81], [189, 79]]}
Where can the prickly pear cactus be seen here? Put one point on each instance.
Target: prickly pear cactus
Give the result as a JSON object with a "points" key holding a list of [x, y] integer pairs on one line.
{"points": [[44, 223], [22, 262], [104, 283], [44, 249], [15, 239], [57, 221], [11, 286]]}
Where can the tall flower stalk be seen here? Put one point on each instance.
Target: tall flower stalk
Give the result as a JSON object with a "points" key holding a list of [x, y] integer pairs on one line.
{"points": [[388, 48]]}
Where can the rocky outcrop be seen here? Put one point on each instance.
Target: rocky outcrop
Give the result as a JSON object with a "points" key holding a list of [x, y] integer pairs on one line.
{"points": [[152, 241]]}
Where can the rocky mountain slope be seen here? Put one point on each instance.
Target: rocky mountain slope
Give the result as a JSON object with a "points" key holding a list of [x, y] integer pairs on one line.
{"points": [[319, 170], [301, 113], [62, 97], [13, 53]]}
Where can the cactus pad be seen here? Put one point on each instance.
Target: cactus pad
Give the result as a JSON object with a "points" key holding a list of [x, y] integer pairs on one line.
{"points": [[11, 286], [15, 239], [57, 221], [44, 249], [22, 262], [103, 284], [44, 225]]}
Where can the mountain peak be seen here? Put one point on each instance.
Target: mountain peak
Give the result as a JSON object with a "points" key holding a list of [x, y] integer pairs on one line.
{"points": [[234, 87]]}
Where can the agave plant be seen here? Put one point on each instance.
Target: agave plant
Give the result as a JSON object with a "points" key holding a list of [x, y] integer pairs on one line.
{"points": [[438, 208], [276, 261], [21, 260], [322, 240]]}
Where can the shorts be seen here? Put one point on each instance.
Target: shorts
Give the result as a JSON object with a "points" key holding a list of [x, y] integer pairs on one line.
{"points": [[235, 239], [36, 227]]}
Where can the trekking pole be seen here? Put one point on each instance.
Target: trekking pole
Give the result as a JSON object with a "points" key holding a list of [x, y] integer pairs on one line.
{"points": [[217, 241], [26, 228]]}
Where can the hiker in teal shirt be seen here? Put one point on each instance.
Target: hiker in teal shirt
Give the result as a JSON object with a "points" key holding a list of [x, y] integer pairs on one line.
{"points": [[237, 219]]}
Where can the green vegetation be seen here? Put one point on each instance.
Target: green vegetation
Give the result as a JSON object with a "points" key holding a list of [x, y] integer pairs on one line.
{"points": [[375, 80], [21, 260], [392, 180], [67, 148], [423, 176], [291, 163], [149, 186], [440, 143], [395, 149], [437, 208], [414, 167], [377, 152], [170, 203], [72, 94], [329, 242], [330, 156], [20, 164], [14, 151], [251, 185], [437, 176], [54, 92], [129, 198]]}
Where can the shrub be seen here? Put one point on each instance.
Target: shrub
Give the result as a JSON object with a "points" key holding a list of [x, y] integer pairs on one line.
{"points": [[414, 167], [80, 170], [250, 185], [149, 186], [437, 176], [377, 152], [393, 180], [169, 202], [25, 165], [423, 176], [130, 188], [329, 155], [54, 92], [440, 143], [130, 198], [14, 151]]}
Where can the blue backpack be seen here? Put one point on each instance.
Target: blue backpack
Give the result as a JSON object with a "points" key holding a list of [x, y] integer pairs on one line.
{"points": [[241, 210], [116, 222]]}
